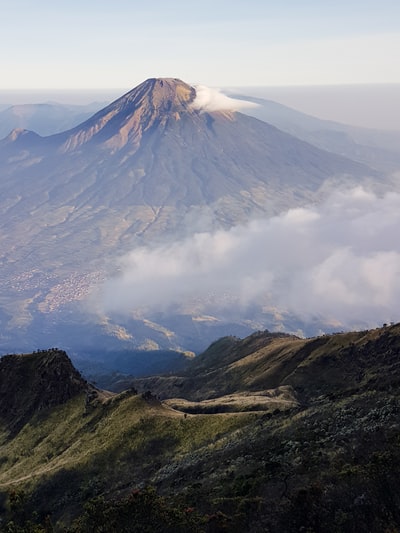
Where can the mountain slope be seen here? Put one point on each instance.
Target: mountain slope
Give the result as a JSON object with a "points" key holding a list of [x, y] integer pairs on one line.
{"points": [[328, 462], [267, 360], [379, 149], [152, 148], [150, 167]]}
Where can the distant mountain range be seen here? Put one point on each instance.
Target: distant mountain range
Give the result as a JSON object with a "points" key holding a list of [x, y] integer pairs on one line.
{"points": [[45, 118], [146, 168], [378, 148]]}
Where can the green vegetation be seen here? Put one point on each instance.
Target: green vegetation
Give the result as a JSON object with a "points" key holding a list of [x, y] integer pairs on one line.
{"points": [[329, 462]]}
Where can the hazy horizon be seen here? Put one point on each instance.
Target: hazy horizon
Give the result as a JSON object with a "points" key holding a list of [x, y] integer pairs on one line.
{"points": [[366, 105]]}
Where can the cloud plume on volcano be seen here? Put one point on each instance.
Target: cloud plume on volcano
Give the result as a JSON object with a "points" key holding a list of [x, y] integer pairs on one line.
{"points": [[209, 100]]}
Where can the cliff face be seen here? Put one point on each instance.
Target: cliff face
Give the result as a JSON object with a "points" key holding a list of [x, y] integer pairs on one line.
{"points": [[34, 382]]}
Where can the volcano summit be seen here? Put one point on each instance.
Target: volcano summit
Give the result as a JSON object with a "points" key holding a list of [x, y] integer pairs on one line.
{"points": [[126, 120]]}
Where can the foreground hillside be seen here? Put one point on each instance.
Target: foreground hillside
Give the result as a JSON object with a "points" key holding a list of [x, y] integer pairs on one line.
{"points": [[269, 433]]}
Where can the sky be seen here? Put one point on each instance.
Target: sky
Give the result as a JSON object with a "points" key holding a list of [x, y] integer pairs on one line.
{"points": [[70, 44]]}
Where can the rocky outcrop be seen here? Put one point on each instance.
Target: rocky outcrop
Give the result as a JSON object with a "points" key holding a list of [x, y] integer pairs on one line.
{"points": [[30, 383]]}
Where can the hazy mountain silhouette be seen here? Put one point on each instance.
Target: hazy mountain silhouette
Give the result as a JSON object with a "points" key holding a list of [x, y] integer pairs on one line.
{"points": [[44, 118], [377, 148]]}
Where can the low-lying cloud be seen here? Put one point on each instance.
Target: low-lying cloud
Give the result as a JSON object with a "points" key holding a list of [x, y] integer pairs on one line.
{"points": [[209, 100], [338, 261]]}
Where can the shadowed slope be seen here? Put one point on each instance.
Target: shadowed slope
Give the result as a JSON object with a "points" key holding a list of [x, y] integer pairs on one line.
{"points": [[35, 382], [332, 364], [330, 464]]}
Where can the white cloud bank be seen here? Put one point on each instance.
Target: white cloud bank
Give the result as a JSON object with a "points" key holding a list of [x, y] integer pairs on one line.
{"points": [[338, 261], [209, 100]]}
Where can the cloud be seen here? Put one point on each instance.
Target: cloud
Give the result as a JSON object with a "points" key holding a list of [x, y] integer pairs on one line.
{"points": [[209, 100], [338, 261]]}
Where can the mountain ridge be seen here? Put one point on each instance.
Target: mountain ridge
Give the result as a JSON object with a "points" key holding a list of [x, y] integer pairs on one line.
{"points": [[30, 383], [45, 118], [320, 451]]}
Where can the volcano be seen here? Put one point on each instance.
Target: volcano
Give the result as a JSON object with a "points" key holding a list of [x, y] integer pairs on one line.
{"points": [[150, 166], [154, 149]]}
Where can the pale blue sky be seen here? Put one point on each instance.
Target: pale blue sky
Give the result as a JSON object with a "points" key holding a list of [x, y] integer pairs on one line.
{"points": [[106, 44]]}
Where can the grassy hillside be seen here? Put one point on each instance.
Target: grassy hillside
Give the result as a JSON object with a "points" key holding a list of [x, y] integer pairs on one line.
{"points": [[69, 453], [289, 435]]}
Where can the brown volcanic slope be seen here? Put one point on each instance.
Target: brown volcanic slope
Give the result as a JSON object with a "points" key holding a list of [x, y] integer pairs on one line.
{"points": [[146, 166], [125, 121], [139, 166], [152, 149]]}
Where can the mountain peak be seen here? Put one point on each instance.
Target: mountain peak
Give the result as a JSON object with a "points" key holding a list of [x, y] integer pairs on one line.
{"points": [[32, 382], [163, 95], [153, 102], [20, 133]]}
